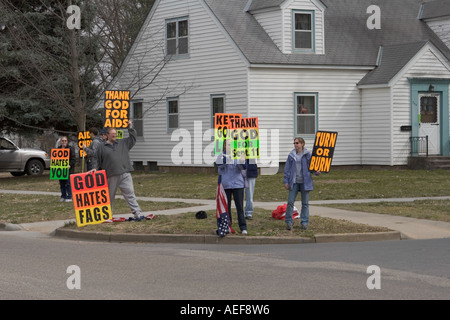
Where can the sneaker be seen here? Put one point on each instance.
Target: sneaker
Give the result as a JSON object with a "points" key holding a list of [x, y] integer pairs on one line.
{"points": [[289, 226], [140, 218], [304, 226], [68, 200], [244, 232], [62, 199], [249, 217]]}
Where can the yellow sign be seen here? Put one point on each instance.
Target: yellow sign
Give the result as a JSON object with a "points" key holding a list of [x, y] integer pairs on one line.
{"points": [[117, 107]]}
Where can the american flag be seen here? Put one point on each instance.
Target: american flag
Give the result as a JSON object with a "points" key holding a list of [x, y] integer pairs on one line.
{"points": [[222, 215]]}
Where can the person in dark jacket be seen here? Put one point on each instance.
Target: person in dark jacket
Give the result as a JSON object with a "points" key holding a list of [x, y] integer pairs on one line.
{"points": [[252, 174], [113, 156], [64, 185], [297, 178]]}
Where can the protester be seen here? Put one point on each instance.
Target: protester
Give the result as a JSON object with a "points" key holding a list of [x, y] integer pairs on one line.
{"points": [[232, 172], [64, 185], [252, 174], [113, 156], [297, 178], [96, 141]]}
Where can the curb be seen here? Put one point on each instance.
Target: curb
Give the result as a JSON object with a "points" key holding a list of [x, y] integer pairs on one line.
{"points": [[213, 239]]}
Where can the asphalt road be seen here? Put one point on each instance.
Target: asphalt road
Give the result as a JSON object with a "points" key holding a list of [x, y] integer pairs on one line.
{"points": [[35, 266]]}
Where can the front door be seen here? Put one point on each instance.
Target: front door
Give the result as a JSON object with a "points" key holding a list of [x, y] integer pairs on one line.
{"points": [[429, 120]]}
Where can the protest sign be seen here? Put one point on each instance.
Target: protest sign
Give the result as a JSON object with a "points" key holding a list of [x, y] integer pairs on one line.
{"points": [[323, 151], [59, 164], [221, 129], [84, 138], [90, 198], [244, 133], [117, 108]]}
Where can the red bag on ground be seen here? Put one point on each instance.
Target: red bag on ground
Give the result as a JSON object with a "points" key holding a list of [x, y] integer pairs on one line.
{"points": [[280, 212]]}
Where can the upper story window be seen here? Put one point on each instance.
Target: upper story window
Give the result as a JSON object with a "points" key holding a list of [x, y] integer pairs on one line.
{"points": [[303, 31], [177, 36]]}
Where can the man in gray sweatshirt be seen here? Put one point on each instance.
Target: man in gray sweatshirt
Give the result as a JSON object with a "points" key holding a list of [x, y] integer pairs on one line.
{"points": [[113, 156]]}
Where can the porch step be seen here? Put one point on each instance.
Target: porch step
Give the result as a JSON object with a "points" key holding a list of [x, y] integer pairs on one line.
{"points": [[439, 162], [429, 163]]}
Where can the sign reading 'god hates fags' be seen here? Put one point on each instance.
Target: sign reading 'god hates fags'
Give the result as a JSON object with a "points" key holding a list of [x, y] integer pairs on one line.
{"points": [[91, 198]]}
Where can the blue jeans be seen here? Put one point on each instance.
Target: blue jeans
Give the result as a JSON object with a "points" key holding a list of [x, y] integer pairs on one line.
{"points": [[249, 197], [238, 195], [304, 213], [66, 189]]}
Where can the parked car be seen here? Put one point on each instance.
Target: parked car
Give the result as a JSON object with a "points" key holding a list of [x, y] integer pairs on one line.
{"points": [[19, 161]]}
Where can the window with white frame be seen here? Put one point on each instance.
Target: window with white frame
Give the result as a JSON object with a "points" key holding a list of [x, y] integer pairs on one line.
{"points": [[177, 36], [303, 31], [138, 117], [305, 114], [172, 113], [217, 105]]}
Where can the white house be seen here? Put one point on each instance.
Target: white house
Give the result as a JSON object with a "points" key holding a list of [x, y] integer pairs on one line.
{"points": [[375, 71]]}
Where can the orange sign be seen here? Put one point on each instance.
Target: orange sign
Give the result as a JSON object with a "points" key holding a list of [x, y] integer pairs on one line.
{"points": [[90, 198]]}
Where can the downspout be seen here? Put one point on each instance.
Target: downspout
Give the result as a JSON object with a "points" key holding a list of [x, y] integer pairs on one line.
{"points": [[360, 128]]}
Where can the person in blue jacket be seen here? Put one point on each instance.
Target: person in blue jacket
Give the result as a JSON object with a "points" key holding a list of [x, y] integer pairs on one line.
{"points": [[297, 178], [233, 181]]}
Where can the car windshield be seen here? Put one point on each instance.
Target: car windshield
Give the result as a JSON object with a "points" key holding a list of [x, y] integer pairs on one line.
{"points": [[5, 144]]}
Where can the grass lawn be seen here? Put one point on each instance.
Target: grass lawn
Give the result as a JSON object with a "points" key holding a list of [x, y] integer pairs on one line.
{"points": [[35, 208], [262, 224], [338, 184]]}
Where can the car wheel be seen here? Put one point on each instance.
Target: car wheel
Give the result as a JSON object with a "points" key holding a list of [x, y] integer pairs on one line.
{"points": [[18, 173], [34, 168]]}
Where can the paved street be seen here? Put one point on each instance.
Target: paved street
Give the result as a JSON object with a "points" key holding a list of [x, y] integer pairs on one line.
{"points": [[34, 266]]}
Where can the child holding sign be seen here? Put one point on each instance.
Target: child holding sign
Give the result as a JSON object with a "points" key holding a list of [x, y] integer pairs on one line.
{"points": [[297, 178]]}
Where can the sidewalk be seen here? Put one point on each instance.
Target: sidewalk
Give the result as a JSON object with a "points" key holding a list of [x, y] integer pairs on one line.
{"points": [[408, 228]]}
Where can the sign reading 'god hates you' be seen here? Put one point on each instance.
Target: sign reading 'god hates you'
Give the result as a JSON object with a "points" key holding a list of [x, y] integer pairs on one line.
{"points": [[59, 164]]}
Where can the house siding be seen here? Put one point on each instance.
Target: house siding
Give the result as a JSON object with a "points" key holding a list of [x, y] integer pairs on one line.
{"points": [[376, 121], [272, 92], [272, 23], [213, 67]]}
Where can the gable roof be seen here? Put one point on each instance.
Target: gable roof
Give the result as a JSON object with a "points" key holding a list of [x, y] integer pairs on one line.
{"points": [[348, 41]]}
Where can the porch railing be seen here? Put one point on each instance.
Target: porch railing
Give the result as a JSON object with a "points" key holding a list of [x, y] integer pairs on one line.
{"points": [[419, 146]]}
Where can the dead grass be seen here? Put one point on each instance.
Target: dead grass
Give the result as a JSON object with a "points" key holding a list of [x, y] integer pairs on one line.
{"points": [[262, 224]]}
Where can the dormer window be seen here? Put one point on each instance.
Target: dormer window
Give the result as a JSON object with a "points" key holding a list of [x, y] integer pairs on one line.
{"points": [[303, 31]]}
